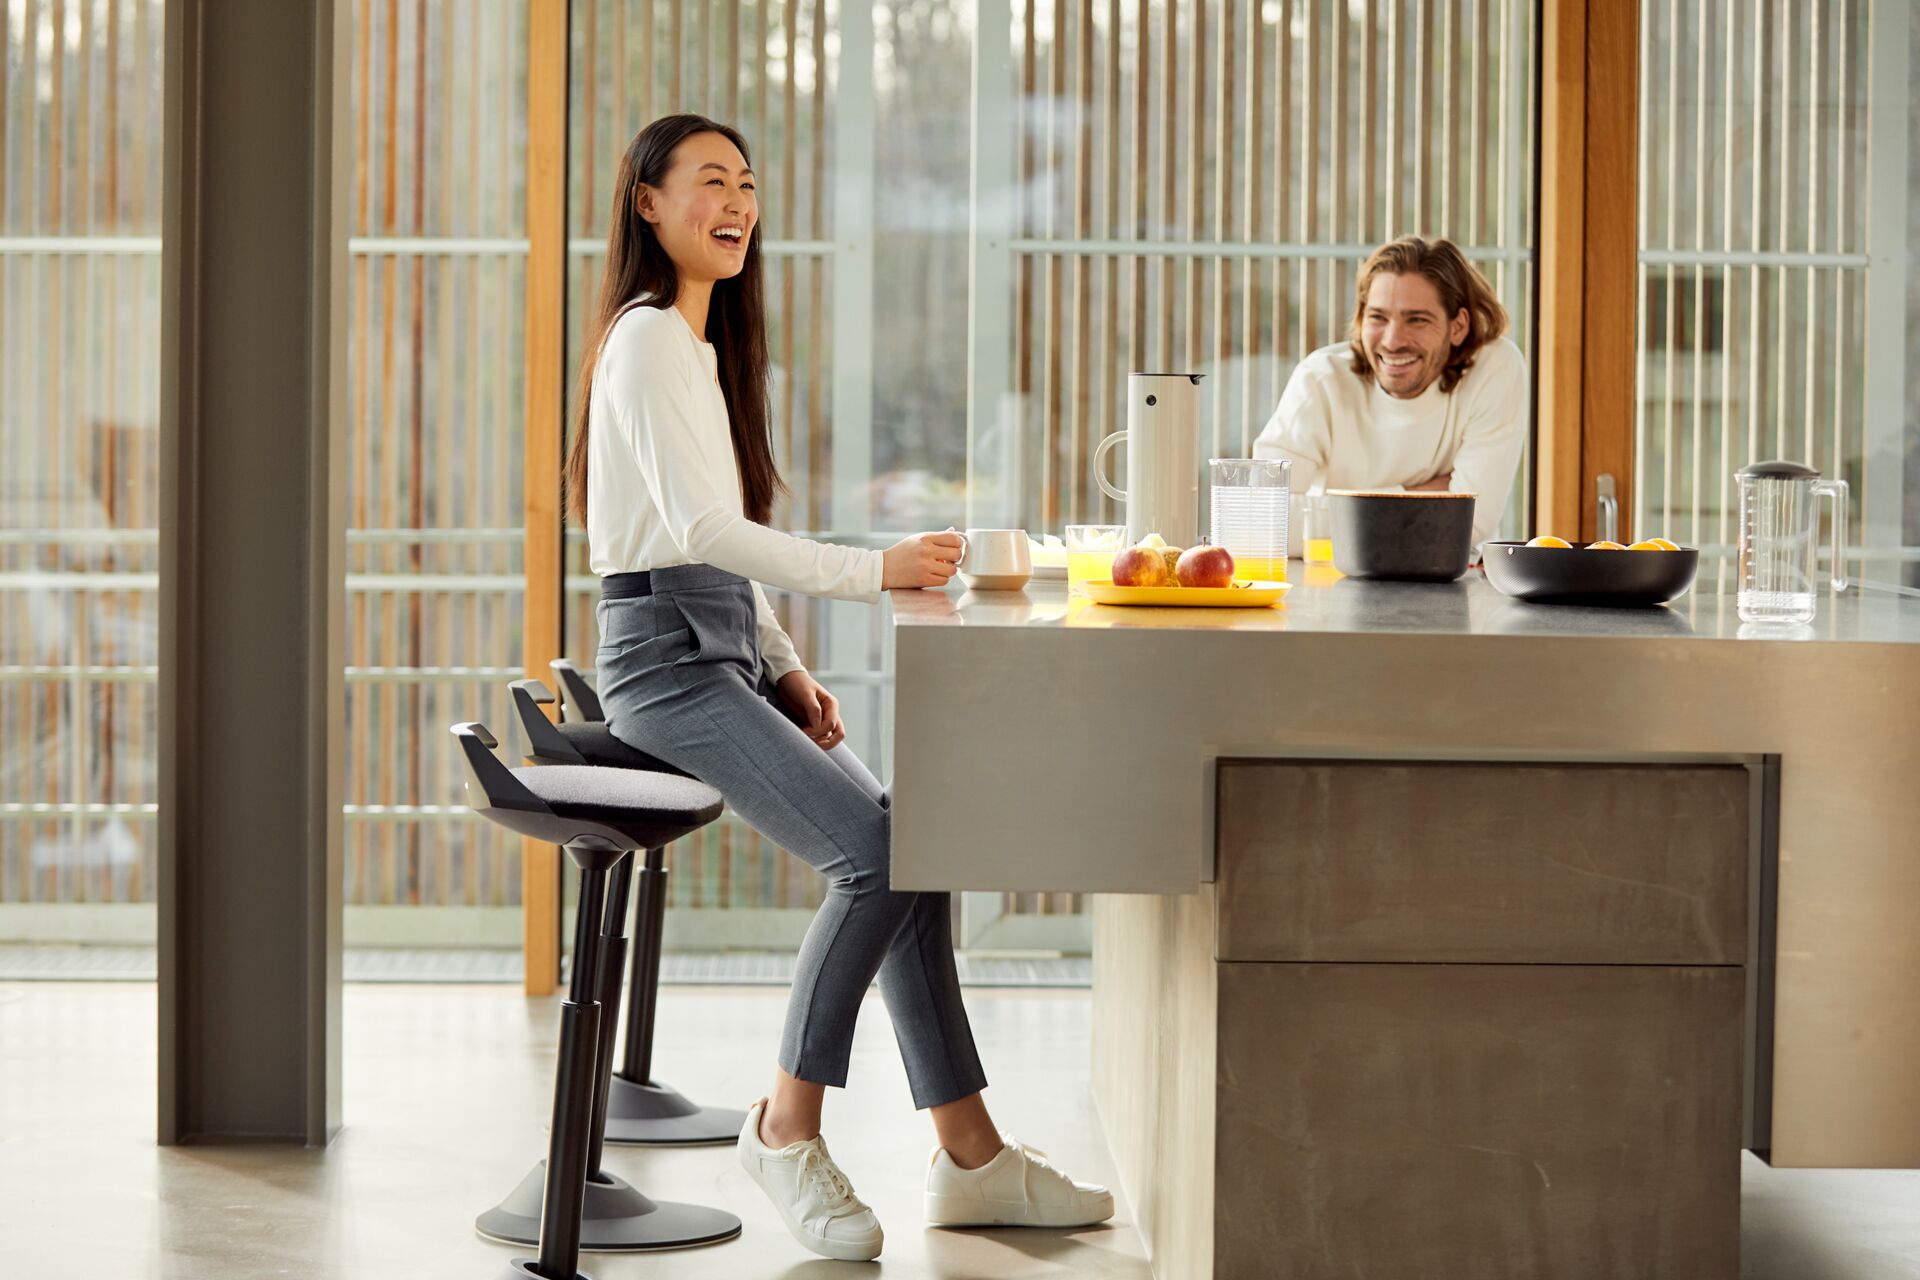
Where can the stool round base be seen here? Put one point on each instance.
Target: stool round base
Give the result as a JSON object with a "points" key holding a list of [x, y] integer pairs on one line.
{"points": [[615, 1219], [657, 1115]]}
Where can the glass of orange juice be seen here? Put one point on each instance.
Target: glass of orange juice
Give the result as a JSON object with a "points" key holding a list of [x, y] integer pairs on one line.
{"points": [[1316, 528], [1090, 552]]}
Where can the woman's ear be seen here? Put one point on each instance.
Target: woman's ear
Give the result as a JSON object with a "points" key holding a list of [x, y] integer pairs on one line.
{"points": [[643, 204]]}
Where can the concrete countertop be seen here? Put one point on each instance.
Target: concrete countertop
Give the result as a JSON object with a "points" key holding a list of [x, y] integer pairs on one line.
{"points": [[1322, 601]]}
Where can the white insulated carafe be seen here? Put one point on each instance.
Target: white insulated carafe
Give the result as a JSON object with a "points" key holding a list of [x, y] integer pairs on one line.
{"points": [[1163, 457]]}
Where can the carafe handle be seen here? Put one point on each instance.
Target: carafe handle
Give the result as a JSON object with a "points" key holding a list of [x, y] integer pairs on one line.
{"points": [[1837, 490], [1100, 470]]}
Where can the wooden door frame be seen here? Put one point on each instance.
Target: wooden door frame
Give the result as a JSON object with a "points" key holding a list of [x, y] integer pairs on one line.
{"points": [[1589, 261], [548, 35]]}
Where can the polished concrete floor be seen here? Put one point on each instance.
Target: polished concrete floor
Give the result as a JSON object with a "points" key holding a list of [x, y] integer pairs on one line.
{"points": [[445, 1092], [446, 1089]]}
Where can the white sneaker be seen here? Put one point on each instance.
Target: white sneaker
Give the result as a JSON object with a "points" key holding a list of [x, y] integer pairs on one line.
{"points": [[814, 1198], [1017, 1188]]}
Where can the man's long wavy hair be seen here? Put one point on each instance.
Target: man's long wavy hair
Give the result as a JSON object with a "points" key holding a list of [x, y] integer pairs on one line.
{"points": [[1461, 287], [640, 274]]}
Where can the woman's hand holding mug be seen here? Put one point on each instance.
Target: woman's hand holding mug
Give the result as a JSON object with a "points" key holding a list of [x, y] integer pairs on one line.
{"points": [[923, 560]]}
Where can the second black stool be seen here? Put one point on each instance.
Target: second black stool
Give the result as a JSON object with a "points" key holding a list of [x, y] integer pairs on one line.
{"points": [[601, 817], [641, 1111]]}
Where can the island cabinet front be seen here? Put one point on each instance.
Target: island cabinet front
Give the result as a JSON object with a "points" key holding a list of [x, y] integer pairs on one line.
{"points": [[1463, 1019]]}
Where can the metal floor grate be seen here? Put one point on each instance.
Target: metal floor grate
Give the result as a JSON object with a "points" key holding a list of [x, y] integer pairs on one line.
{"points": [[695, 968]]}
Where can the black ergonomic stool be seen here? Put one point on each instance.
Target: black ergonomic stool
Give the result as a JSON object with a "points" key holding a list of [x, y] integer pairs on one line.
{"points": [[602, 816], [640, 1110]]}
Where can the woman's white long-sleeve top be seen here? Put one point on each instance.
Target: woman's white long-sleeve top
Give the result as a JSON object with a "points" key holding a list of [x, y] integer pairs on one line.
{"points": [[663, 483]]}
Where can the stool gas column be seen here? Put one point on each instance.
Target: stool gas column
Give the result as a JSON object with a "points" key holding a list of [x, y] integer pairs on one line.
{"points": [[641, 1111]]}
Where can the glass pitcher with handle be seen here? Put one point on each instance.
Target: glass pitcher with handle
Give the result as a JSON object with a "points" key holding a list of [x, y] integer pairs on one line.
{"points": [[1779, 533]]}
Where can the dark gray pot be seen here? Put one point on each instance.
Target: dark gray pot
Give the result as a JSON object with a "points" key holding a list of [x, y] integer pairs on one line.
{"points": [[1419, 537]]}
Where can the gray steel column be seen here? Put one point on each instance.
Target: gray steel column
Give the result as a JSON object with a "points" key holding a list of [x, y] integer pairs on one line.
{"points": [[252, 560]]}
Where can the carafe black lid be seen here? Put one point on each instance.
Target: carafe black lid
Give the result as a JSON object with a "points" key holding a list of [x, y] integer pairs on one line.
{"points": [[1778, 471]]}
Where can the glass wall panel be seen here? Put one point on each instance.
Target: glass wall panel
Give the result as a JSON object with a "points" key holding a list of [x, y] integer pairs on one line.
{"points": [[1772, 191], [770, 68], [80, 94], [434, 585], [1186, 182], [1194, 187], [435, 408]]}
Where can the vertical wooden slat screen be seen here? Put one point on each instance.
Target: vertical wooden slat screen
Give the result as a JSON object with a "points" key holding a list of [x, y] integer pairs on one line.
{"points": [[79, 303], [1754, 202], [1273, 143], [436, 405]]}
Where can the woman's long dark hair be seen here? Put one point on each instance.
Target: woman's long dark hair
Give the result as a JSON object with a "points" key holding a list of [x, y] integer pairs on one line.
{"points": [[640, 274]]}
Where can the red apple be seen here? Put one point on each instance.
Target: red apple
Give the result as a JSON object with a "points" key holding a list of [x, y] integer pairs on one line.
{"points": [[1205, 567], [1140, 567]]}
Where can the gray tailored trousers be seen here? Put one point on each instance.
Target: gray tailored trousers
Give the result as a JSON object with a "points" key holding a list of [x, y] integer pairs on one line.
{"points": [[681, 678]]}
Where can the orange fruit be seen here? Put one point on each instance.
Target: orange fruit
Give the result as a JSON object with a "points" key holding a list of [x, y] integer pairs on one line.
{"points": [[1646, 545], [1604, 545], [1548, 540], [1664, 544]]}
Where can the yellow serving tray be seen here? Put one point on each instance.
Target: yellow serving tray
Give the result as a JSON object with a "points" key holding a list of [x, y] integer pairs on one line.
{"points": [[1254, 595]]}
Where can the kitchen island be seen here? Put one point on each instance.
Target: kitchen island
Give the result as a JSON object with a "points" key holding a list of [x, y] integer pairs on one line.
{"points": [[1441, 934]]}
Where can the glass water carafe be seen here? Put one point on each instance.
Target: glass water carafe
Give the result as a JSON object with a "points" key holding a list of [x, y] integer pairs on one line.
{"points": [[1779, 533]]}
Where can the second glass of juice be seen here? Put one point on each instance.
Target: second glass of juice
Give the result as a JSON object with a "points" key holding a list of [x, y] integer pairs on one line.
{"points": [[1090, 552], [1316, 528]]}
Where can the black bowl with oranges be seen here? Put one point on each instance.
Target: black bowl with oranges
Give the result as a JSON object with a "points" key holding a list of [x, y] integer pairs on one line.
{"points": [[1606, 574]]}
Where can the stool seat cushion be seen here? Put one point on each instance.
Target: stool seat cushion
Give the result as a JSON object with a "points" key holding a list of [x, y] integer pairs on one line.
{"points": [[653, 808], [593, 740]]}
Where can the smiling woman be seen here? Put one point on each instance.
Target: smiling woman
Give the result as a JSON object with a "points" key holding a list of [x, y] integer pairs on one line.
{"points": [[673, 472], [683, 179]]}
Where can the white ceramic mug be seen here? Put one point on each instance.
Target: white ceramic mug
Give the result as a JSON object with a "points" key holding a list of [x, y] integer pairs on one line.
{"points": [[995, 559]]}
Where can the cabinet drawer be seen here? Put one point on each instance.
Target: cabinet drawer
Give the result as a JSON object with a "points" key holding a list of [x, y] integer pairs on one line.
{"points": [[1482, 862], [1484, 1121]]}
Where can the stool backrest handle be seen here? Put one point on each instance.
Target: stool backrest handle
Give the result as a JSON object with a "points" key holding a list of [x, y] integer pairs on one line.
{"points": [[490, 784], [578, 701], [543, 742]]}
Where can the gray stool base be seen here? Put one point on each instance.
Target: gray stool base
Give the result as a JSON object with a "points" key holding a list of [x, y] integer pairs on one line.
{"points": [[657, 1115], [616, 1219]]}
